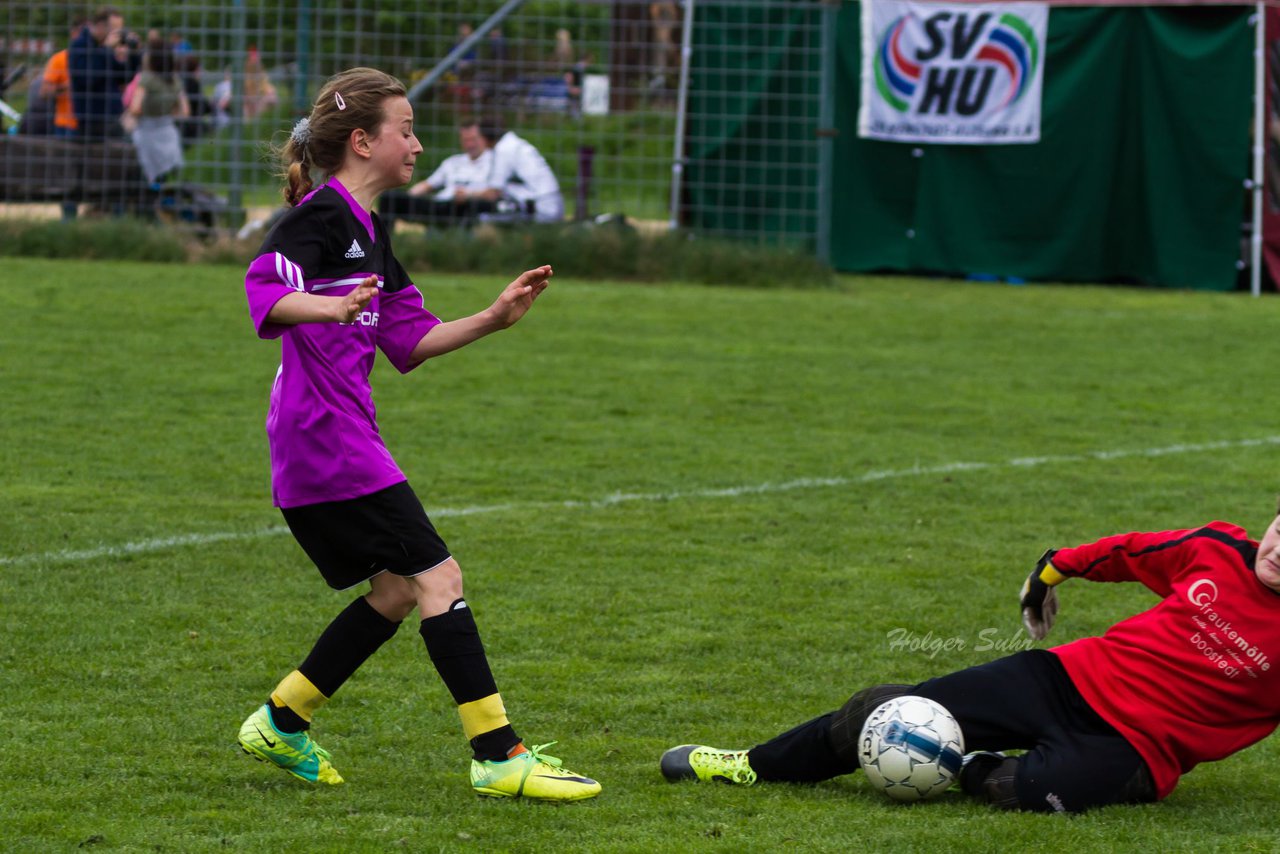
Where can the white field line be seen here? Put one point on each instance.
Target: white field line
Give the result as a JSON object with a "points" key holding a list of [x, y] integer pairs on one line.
{"points": [[178, 541]]}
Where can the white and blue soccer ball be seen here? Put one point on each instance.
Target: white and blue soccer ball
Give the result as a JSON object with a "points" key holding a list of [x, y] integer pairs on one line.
{"points": [[911, 748]]}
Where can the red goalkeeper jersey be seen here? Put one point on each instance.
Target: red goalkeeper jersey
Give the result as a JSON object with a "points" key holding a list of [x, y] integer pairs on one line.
{"points": [[1197, 677]]}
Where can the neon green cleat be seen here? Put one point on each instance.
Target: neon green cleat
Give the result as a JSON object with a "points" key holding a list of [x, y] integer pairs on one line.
{"points": [[531, 775], [698, 762], [295, 752]]}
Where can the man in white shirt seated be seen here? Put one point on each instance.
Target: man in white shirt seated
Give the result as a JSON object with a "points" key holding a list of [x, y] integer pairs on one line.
{"points": [[462, 188], [526, 178]]}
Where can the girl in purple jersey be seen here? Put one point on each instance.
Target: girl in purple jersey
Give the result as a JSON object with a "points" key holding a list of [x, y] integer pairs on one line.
{"points": [[327, 284]]}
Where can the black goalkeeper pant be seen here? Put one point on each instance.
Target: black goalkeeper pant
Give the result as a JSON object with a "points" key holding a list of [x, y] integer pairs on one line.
{"points": [[1074, 759]]}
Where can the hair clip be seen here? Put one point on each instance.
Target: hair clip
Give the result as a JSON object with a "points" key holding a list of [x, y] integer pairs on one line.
{"points": [[337, 99]]}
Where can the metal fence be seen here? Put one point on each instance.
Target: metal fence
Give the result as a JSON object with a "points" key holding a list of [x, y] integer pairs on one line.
{"points": [[756, 155], [599, 86]]}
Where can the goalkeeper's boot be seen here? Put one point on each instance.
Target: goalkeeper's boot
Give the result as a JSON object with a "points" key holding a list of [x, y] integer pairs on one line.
{"points": [[707, 764], [295, 752], [531, 774]]}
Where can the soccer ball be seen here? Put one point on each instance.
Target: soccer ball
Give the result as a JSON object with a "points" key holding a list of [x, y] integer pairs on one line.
{"points": [[911, 748]]}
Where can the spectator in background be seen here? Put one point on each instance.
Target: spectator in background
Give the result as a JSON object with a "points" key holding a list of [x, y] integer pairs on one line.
{"points": [[524, 176], [56, 84], [259, 93], [467, 62], [462, 187], [664, 17], [200, 122], [179, 45], [223, 95], [37, 118], [496, 50], [563, 56], [99, 61], [573, 79], [156, 105]]}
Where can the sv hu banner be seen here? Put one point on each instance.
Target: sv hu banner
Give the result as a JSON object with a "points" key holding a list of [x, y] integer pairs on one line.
{"points": [[941, 73]]}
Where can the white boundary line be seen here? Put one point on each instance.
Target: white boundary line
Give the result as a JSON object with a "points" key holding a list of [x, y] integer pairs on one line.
{"points": [[162, 543]]}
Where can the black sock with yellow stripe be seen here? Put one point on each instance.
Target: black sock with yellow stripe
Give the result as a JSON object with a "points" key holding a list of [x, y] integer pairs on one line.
{"points": [[342, 647], [453, 643]]}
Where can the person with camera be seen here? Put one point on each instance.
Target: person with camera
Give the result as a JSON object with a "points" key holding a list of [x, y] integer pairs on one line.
{"points": [[101, 60]]}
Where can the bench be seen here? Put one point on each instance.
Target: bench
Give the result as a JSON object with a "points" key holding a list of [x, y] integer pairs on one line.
{"points": [[50, 169], [104, 175]]}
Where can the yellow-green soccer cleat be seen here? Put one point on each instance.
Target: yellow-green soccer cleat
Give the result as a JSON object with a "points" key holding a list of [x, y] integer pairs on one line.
{"points": [[295, 752], [699, 762], [531, 775]]}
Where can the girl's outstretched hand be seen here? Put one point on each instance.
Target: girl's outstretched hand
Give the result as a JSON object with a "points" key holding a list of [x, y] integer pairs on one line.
{"points": [[511, 305], [517, 297], [350, 306]]}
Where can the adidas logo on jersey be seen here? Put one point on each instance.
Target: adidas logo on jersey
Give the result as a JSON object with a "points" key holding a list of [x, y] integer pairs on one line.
{"points": [[355, 251]]}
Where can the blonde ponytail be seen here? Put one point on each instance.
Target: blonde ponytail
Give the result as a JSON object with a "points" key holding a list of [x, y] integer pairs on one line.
{"points": [[298, 182]]}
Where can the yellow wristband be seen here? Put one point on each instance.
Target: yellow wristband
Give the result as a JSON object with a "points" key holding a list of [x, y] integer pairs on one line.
{"points": [[1050, 575]]}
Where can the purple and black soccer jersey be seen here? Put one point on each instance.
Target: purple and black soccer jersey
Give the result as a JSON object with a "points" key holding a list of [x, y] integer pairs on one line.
{"points": [[321, 424]]}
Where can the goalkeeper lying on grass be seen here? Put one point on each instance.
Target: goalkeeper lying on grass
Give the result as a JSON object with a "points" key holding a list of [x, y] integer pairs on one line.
{"points": [[1103, 720]]}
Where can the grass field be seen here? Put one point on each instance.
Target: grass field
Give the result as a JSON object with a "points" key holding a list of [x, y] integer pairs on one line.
{"points": [[684, 514]]}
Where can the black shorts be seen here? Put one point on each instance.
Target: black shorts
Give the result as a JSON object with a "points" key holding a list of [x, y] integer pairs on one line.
{"points": [[1075, 760], [352, 541]]}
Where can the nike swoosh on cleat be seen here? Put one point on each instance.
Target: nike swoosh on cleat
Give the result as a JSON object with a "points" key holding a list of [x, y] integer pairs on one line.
{"points": [[269, 742], [586, 780]]}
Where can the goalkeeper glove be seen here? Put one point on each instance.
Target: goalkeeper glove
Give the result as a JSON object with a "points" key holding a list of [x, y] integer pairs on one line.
{"points": [[1038, 598]]}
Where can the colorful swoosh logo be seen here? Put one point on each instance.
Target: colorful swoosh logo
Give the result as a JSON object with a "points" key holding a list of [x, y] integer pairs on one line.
{"points": [[896, 76], [1012, 45]]}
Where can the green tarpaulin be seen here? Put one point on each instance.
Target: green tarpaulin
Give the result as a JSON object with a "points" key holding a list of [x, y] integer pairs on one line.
{"points": [[754, 108], [1138, 175]]}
